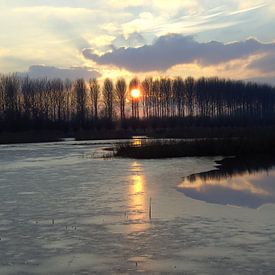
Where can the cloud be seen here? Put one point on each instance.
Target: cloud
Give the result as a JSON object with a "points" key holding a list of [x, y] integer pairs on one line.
{"points": [[4, 52], [264, 80], [265, 64], [124, 4], [134, 39], [174, 49], [40, 71], [56, 32], [64, 29], [61, 11]]}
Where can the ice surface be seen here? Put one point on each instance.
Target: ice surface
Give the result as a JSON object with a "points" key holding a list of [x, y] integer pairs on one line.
{"points": [[65, 210]]}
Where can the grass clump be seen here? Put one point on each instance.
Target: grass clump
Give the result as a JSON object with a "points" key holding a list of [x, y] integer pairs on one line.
{"points": [[197, 147]]}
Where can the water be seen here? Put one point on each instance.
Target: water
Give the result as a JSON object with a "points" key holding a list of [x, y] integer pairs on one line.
{"points": [[65, 209], [241, 182]]}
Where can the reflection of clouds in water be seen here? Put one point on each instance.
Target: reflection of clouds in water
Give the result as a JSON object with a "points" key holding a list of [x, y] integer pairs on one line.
{"points": [[238, 183], [242, 188]]}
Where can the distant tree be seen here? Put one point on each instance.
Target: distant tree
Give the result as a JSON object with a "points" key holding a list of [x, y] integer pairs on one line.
{"points": [[95, 94], [108, 98], [2, 97], [81, 98], [165, 97], [134, 84], [146, 87], [178, 96], [69, 100], [58, 96], [11, 88], [27, 103], [189, 84], [156, 98], [120, 92]]}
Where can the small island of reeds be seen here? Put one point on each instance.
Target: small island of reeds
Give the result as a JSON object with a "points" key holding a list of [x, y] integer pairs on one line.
{"points": [[234, 146]]}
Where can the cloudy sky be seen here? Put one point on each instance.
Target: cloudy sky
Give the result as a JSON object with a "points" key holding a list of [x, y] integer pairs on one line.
{"points": [[83, 38]]}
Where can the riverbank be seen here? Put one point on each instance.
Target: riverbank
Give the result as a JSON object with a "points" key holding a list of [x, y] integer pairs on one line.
{"points": [[212, 134], [30, 137]]}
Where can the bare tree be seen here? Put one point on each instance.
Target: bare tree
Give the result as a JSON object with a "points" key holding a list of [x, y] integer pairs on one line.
{"points": [[108, 98], [178, 95], [120, 91], [165, 96], [134, 84], [94, 94], [81, 98], [146, 86]]}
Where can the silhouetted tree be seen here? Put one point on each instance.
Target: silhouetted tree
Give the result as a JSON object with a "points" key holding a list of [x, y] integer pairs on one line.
{"points": [[146, 87], [108, 98], [178, 96], [120, 91], [27, 103], [95, 94], [134, 84], [81, 98]]}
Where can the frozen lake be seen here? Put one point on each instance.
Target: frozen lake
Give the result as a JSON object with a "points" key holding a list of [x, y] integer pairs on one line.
{"points": [[65, 209]]}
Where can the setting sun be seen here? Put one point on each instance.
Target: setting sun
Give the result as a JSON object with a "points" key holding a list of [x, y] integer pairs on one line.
{"points": [[135, 93]]}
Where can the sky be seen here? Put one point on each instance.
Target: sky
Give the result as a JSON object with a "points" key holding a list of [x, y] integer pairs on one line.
{"points": [[94, 38]]}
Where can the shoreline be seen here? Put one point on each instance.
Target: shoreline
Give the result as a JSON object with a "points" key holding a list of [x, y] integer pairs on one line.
{"points": [[196, 132]]}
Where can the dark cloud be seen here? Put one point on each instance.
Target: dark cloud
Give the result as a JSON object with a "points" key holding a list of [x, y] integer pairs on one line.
{"points": [[173, 49], [38, 71]]}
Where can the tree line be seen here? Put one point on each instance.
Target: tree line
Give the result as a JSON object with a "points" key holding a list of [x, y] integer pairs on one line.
{"points": [[27, 103]]}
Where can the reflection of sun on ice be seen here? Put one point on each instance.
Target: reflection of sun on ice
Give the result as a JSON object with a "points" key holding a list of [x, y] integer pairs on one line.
{"points": [[138, 203], [138, 199], [135, 93], [138, 184], [137, 194]]}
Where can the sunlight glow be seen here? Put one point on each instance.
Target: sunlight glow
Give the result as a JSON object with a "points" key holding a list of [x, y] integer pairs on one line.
{"points": [[135, 93]]}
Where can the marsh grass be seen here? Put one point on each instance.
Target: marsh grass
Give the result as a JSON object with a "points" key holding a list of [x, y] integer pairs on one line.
{"points": [[264, 144]]}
